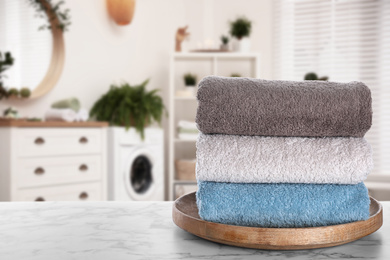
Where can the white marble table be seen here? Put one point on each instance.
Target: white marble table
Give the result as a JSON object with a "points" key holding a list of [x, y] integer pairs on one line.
{"points": [[138, 230]]}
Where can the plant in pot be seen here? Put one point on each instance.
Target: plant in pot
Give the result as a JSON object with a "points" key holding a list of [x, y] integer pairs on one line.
{"points": [[25, 92], [125, 105], [190, 83], [13, 93], [313, 76], [225, 43], [240, 29]]}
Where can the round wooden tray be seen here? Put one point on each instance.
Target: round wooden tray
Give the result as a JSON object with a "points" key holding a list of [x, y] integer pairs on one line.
{"points": [[185, 215]]}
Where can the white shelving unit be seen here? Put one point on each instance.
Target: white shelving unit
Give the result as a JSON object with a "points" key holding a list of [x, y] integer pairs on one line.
{"points": [[201, 64]]}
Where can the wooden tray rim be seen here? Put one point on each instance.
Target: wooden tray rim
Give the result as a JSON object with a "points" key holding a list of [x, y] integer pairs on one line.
{"points": [[178, 216]]}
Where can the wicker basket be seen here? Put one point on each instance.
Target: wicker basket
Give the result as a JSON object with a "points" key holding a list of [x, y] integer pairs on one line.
{"points": [[185, 170]]}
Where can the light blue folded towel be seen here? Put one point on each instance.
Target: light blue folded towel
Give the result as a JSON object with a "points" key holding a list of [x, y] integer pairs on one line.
{"points": [[282, 205]]}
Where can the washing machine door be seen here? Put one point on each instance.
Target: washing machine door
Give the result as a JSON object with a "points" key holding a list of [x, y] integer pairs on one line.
{"points": [[139, 176]]}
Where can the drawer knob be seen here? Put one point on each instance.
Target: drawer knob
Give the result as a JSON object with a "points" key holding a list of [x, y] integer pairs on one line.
{"points": [[39, 199], [83, 168], [39, 171], [83, 140], [83, 196], [39, 141]]}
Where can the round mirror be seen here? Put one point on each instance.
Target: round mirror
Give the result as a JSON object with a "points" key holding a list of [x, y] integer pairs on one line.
{"points": [[38, 53]]}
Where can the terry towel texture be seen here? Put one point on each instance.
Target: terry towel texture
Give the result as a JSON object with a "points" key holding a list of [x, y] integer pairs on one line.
{"points": [[282, 205], [245, 106], [258, 159]]}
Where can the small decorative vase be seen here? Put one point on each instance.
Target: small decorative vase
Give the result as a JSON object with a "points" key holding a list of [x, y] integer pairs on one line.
{"points": [[191, 89], [11, 113], [243, 45], [224, 47]]}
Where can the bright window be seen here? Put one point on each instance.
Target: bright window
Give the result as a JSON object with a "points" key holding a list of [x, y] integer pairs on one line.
{"points": [[347, 40]]}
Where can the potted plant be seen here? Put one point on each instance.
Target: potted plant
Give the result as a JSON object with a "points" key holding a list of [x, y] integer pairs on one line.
{"points": [[225, 43], [11, 113], [240, 29], [190, 83], [25, 92], [313, 76], [13, 93], [126, 105]]}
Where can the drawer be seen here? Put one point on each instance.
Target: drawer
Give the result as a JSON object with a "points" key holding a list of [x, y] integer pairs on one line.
{"points": [[58, 141], [76, 192], [40, 171]]}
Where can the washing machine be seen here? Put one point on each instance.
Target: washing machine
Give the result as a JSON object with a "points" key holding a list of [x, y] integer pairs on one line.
{"points": [[136, 166]]}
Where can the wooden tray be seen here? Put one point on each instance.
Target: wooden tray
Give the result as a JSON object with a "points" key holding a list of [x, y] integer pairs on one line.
{"points": [[185, 215]]}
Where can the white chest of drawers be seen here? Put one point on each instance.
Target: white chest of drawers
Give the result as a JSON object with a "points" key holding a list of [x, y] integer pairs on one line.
{"points": [[53, 161]]}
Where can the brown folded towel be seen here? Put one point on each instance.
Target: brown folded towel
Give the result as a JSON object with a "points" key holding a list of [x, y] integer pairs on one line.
{"points": [[245, 106]]}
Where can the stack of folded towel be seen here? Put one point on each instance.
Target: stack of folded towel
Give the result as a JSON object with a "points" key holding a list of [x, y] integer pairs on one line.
{"points": [[68, 110], [282, 153], [187, 130]]}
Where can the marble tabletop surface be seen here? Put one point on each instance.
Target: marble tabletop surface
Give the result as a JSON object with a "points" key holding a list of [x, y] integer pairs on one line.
{"points": [[138, 230]]}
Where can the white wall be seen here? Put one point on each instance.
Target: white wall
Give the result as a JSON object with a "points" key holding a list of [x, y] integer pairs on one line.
{"points": [[98, 52]]}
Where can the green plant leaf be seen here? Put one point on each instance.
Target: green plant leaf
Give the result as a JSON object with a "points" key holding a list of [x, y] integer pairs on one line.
{"points": [[127, 105], [241, 27]]}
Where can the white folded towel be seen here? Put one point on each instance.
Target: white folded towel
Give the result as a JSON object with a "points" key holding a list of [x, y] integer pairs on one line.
{"points": [[82, 115], [187, 137], [66, 114], [187, 124], [259, 159]]}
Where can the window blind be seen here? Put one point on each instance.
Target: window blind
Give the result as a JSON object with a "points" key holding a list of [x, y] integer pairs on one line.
{"points": [[347, 40]]}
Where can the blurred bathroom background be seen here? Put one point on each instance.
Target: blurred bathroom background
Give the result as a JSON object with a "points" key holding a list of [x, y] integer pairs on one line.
{"points": [[55, 76]]}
